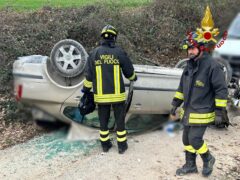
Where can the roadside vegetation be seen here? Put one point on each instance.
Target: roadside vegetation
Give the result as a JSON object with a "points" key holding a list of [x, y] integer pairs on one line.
{"points": [[32, 5]]}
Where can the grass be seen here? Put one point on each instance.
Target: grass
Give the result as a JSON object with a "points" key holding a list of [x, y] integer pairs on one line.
{"points": [[26, 5]]}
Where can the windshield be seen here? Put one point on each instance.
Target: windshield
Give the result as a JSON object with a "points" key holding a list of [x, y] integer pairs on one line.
{"points": [[234, 29]]}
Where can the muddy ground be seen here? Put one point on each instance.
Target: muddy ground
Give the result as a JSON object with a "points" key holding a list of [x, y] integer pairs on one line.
{"points": [[154, 155]]}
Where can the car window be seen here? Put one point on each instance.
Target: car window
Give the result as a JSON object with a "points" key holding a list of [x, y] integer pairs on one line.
{"points": [[234, 29], [137, 122], [90, 120]]}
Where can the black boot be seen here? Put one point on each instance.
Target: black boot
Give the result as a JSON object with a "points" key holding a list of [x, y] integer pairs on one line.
{"points": [[189, 166], [208, 162], [106, 145], [122, 147]]}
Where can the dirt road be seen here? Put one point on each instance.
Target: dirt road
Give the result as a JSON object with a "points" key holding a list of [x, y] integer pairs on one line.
{"points": [[150, 156]]}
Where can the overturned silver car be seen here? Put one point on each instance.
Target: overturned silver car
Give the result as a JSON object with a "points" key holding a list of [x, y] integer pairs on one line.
{"points": [[52, 86]]}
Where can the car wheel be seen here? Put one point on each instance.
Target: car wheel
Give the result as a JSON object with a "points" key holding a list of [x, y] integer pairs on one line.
{"points": [[68, 58], [182, 64], [226, 69]]}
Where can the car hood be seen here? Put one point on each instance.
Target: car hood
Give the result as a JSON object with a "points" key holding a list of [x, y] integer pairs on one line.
{"points": [[230, 47]]}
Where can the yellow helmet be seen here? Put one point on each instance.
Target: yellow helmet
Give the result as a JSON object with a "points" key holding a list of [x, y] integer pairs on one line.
{"points": [[109, 31]]}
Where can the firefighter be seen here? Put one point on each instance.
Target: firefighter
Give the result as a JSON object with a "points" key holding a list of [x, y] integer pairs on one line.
{"points": [[104, 69], [203, 92]]}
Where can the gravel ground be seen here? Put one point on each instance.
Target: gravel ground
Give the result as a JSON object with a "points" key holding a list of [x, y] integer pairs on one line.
{"points": [[152, 156]]}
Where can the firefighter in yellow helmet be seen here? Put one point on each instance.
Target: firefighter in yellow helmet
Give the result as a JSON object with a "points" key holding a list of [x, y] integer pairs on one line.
{"points": [[105, 66], [203, 92]]}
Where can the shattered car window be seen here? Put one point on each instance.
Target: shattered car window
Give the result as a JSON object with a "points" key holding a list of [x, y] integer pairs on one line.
{"points": [[145, 122], [91, 120], [136, 123]]}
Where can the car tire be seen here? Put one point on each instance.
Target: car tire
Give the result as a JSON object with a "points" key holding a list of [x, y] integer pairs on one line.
{"points": [[181, 64], [226, 68], [225, 65], [68, 58]]}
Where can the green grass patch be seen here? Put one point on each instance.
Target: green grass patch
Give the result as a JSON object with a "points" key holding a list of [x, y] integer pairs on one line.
{"points": [[26, 5]]}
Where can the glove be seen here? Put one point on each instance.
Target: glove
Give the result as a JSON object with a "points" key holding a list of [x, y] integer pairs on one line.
{"points": [[173, 116], [87, 104], [221, 119], [218, 120], [173, 111], [85, 90]]}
